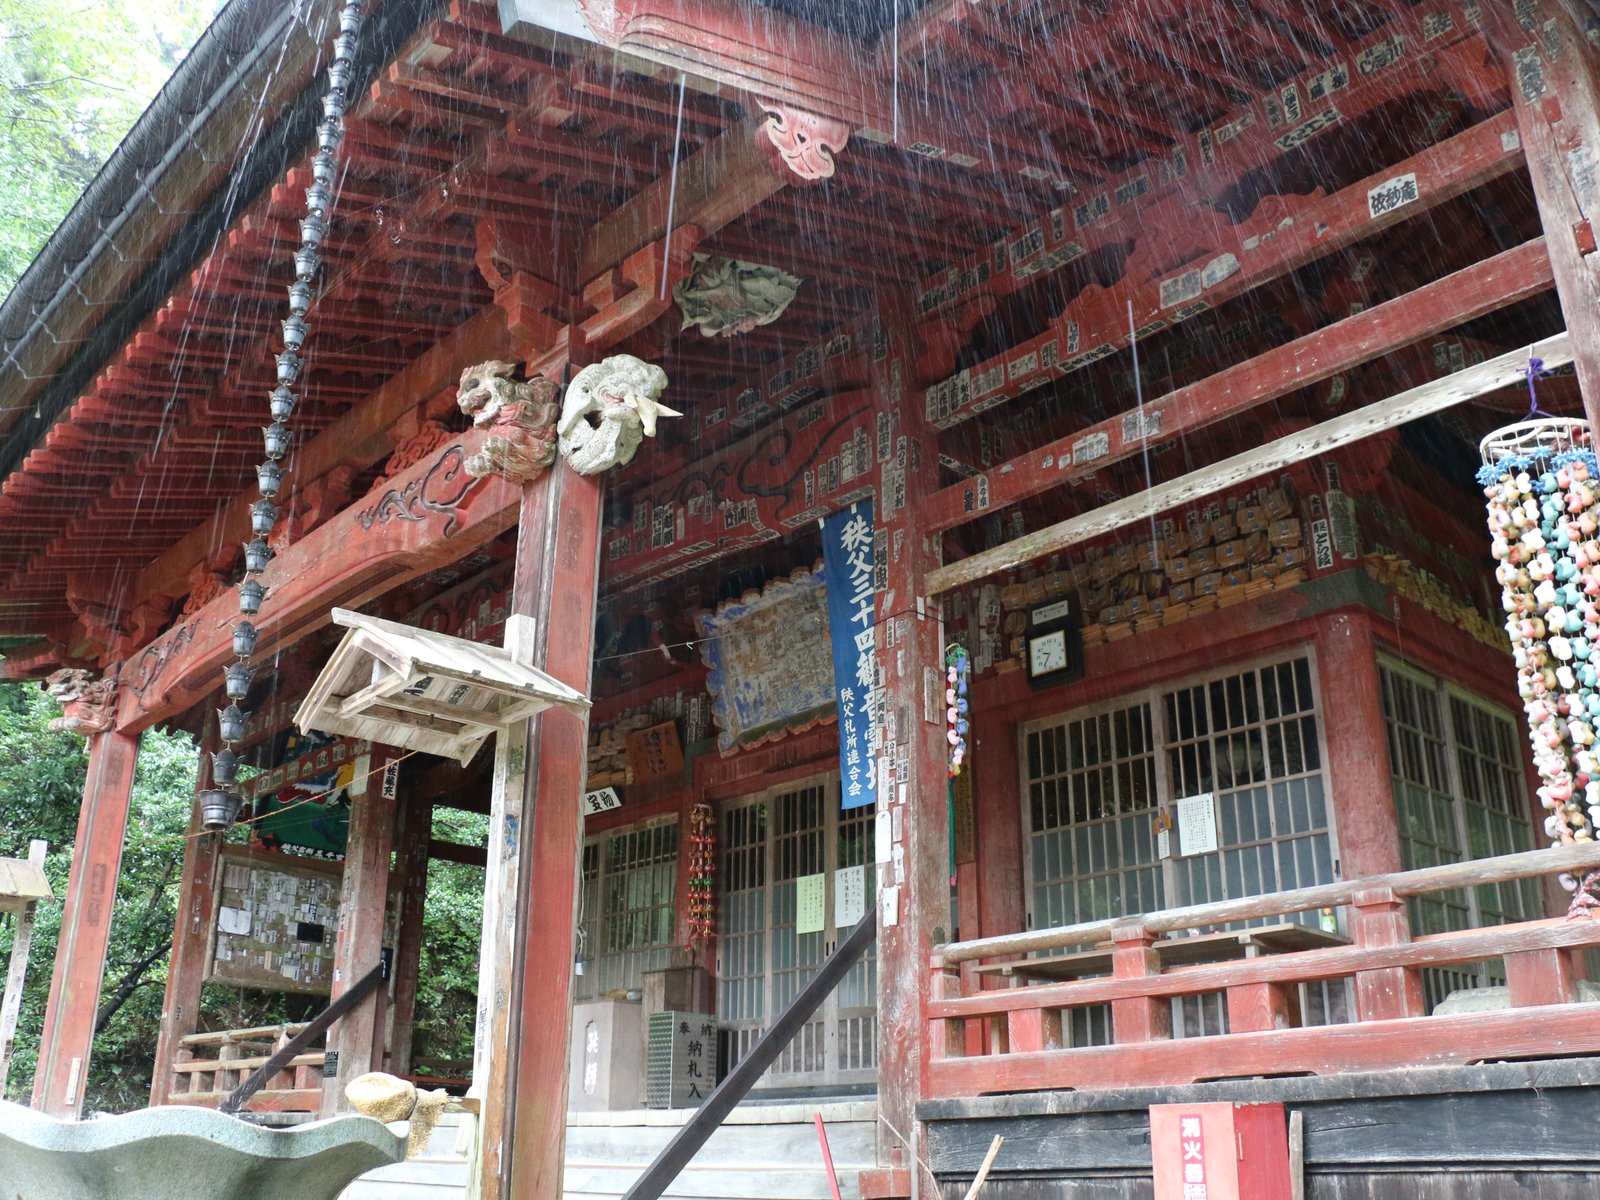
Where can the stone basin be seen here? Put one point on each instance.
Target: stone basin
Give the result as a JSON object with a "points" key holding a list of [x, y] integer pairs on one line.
{"points": [[183, 1153]]}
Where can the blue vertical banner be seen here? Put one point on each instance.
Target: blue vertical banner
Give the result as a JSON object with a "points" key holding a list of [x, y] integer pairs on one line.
{"points": [[852, 630]]}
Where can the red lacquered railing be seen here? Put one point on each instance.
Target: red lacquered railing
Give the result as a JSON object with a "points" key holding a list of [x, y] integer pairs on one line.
{"points": [[1011, 1039]]}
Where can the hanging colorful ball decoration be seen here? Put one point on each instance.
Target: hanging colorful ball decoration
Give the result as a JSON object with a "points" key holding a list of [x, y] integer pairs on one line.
{"points": [[1542, 487], [702, 875], [957, 670]]}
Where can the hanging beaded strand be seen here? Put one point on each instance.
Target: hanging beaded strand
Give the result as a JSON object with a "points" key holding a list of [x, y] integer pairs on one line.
{"points": [[702, 875], [1541, 484], [281, 404]]}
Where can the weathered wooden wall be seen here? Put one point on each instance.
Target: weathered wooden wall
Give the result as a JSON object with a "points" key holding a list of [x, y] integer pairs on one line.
{"points": [[1522, 1130]]}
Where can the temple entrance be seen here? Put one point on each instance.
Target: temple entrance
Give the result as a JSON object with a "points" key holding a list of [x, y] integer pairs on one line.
{"points": [[775, 845]]}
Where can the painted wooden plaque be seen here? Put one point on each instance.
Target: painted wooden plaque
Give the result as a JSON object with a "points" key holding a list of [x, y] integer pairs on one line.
{"points": [[770, 669]]}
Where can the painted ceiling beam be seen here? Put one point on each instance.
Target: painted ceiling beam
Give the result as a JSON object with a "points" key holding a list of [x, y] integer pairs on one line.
{"points": [[1431, 397]]}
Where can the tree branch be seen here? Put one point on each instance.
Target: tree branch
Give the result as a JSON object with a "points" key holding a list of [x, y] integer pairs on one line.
{"points": [[131, 980]]}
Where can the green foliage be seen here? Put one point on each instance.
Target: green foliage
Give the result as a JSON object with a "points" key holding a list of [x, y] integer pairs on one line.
{"points": [[41, 787], [452, 918], [74, 76]]}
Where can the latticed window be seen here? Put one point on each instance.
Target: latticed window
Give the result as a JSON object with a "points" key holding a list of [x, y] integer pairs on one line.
{"points": [[629, 887], [1096, 781], [1459, 793], [771, 843]]}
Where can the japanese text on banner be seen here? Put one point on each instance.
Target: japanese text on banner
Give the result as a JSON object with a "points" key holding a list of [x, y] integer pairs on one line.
{"points": [[847, 568]]}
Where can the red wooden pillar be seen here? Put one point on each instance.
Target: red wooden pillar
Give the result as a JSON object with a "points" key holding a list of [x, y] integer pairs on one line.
{"points": [[411, 873], [997, 815], [911, 655], [80, 966], [523, 1136], [1556, 94], [357, 1036], [191, 938], [1360, 783]]}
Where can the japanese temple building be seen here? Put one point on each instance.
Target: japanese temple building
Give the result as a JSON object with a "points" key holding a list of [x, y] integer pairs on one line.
{"points": [[1154, 341]]}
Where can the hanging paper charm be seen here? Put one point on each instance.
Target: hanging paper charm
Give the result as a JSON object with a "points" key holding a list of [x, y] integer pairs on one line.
{"points": [[957, 668]]}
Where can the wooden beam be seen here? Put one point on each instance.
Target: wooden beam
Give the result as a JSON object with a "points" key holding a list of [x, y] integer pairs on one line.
{"points": [[363, 436], [1555, 90], [65, 1042], [1482, 288], [191, 940], [357, 1036], [1432, 397], [418, 521], [1153, 201], [413, 849], [712, 187], [1282, 235], [471, 856]]}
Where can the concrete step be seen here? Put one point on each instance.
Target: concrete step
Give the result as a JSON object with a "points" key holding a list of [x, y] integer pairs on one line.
{"points": [[852, 1144], [713, 1183], [414, 1179], [762, 1152]]}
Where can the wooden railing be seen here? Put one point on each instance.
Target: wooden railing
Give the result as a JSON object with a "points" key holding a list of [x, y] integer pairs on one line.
{"points": [[210, 1066], [1012, 1039]]}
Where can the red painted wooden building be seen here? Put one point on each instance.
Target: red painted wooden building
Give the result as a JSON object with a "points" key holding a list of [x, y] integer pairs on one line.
{"points": [[1169, 329]]}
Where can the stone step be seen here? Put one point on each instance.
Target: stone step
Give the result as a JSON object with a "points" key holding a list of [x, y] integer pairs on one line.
{"points": [[713, 1183], [851, 1143]]}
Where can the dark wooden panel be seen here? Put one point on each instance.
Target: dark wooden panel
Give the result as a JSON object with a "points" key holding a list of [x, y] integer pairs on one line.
{"points": [[1102, 1140], [1393, 1185]]}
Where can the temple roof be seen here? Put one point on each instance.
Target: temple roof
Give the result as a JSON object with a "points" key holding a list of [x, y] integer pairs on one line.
{"points": [[132, 392]]}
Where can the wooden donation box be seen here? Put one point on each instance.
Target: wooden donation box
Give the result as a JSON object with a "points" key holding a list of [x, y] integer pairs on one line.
{"points": [[1220, 1151]]}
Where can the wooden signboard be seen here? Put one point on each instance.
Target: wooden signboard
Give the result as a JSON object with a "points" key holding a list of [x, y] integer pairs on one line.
{"points": [[654, 753], [276, 922]]}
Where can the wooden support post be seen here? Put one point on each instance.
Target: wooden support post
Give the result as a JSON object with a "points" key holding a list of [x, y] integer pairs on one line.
{"points": [[1541, 977], [1139, 1018], [1033, 1029], [191, 939], [1555, 90], [1256, 1007], [69, 1017], [1359, 777], [362, 897], [411, 871], [17, 968], [946, 1038], [1384, 993], [910, 634], [536, 831]]}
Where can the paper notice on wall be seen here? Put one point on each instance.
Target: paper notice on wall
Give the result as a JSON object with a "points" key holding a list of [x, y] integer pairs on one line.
{"points": [[1197, 824], [889, 906], [234, 920], [849, 896], [810, 915], [883, 836]]}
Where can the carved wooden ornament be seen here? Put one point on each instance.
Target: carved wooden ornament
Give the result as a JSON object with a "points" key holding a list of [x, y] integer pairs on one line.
{"points": [[723, 296], [805, 142], [88, 705], [520, 419], [609, 409]]}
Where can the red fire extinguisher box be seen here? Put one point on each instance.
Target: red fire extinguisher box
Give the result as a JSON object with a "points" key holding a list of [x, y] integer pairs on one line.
{"points": [[1220, 1151]]}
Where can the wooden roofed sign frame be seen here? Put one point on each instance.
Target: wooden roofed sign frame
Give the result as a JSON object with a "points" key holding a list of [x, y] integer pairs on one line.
{"points": [[427, 691]]}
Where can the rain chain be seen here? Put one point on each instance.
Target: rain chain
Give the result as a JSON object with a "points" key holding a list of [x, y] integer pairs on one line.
{"points": [[1542, 485], [220, 805], [702, 875]]}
